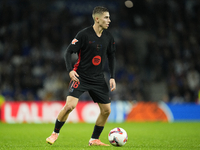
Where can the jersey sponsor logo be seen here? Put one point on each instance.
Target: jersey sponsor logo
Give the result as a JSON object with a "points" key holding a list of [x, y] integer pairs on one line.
{"points": [[96, 60], [74, 41], [90, 42]]}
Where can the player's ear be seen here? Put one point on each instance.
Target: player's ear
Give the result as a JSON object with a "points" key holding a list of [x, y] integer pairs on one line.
{"points": [[96, 19]]}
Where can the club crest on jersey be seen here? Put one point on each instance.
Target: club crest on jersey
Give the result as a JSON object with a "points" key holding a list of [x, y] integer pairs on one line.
{"points": [[96, 60], [74, 41], [99, 47]]}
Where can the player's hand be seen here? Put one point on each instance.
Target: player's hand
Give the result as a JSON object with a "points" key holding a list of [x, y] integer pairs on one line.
{"points": [[74, 76], [112, 84]]}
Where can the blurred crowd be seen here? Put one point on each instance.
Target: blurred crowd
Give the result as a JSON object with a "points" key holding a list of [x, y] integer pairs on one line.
{"points": [[174, 48], [33, 39]]}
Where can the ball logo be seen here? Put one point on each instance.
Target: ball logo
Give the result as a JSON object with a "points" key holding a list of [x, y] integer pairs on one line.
{"points": [[96, 60]]}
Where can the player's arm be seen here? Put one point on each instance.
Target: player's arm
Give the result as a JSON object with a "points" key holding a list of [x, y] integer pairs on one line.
{"points": [[74, 47], [67, 57], [112, 84], [111, 62], [73, 74]]}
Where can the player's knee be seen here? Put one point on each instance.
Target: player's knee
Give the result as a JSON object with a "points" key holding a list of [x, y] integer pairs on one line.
{"points": [[106, 112], [69, 108]]}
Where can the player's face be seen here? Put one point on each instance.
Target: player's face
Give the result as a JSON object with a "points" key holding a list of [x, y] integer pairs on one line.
{"points": [[104, 20]]}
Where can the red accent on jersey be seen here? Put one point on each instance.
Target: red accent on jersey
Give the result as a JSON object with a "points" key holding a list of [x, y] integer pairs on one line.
{"points": [[78, 61], [76, 84]]}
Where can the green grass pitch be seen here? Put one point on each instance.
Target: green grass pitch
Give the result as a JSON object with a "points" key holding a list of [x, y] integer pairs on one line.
{"points": [[75, 136]]}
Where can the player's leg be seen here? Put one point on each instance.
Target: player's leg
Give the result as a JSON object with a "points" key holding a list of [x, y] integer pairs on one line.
{"points": [[74, 91], [100, 94], [99, 125], [70, 104], [105, 111]]}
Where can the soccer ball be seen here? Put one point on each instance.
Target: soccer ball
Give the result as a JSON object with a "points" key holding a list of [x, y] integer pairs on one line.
{"points": [[117, 137]]}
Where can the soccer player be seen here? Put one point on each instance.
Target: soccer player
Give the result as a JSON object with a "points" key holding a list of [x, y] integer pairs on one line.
{"points": [[94, 46]]}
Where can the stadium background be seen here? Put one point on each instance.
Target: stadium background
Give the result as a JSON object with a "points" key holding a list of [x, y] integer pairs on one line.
{"points": [[158, 49]]}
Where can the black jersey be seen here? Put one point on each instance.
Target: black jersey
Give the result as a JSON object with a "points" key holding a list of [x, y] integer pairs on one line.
{"points": [[93, 51]]}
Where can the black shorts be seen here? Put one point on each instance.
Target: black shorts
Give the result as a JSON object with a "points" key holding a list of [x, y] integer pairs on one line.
{"points": [[98, 90]]}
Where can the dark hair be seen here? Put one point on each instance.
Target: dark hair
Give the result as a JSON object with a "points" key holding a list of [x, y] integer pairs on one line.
{"points": [[99, 10]]}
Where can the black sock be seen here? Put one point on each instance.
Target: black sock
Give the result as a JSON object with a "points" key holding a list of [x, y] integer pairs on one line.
{"points": [[97, 131], [58, 126]]}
